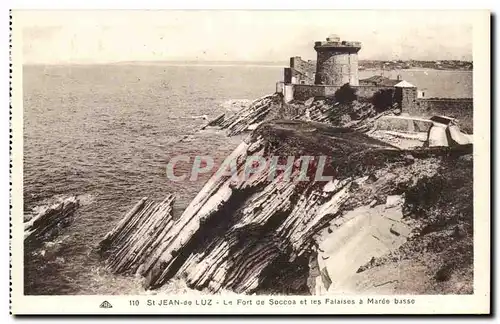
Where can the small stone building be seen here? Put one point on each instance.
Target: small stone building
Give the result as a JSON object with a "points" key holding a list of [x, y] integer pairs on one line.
{"points": [[406, 94]]}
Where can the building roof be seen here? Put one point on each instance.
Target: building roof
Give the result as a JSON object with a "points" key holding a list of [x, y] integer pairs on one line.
{"points": [[404, 84]]}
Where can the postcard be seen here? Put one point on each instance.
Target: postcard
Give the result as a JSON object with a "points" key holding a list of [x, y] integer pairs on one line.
{"points": [[250, 162]]}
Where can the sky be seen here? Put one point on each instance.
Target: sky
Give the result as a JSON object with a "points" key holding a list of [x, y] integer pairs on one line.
{"points": [[60, 37]]}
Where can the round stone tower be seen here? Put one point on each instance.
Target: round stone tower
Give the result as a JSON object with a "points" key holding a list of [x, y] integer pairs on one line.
{"points": [[337, 62]]}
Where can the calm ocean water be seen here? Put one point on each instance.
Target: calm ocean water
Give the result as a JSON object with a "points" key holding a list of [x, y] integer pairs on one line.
{"points": [[106, 132]]}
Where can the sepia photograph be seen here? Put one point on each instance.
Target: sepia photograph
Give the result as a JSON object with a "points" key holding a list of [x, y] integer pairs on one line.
{"points": [[318, 153]]}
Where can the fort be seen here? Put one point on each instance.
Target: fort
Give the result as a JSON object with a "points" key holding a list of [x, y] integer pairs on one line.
{"points": [[337, 64]]}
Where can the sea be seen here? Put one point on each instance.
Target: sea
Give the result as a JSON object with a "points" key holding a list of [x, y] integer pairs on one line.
{"points": [[106, 133]]}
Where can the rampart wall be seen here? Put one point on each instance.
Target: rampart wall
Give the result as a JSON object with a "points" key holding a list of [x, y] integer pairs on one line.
{"points": [[460, 108], [300, 71], [303, 92]]}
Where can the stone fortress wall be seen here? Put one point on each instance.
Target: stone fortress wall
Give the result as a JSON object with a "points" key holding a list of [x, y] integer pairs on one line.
{"points": [[337, 64], [300, 71]]}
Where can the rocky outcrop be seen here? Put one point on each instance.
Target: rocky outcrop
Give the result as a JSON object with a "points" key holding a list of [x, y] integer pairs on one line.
{"points": [[48, 222], [249, 117], [138, 234], [253, 230], [239, 228], [358, 115]]}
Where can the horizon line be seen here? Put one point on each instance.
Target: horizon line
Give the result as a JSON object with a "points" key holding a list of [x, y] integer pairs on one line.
{"points": [[281, 63]]}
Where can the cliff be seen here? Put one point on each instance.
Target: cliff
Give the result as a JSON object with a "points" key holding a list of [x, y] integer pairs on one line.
{"points": [[358, 115], [260, 233]]}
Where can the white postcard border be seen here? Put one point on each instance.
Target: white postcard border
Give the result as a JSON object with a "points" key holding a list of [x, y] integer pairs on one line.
{"points": [[450, 304]]}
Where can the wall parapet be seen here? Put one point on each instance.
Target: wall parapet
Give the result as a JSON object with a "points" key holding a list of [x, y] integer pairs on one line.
{"points": [[303, 92]]}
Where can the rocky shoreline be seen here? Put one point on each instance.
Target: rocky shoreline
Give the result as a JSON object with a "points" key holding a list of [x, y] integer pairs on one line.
{"points": [[279, 237]]}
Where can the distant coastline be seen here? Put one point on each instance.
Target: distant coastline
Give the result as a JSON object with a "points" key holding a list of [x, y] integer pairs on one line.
{"points": [[414, 70], [365, 65], [450, 65]]}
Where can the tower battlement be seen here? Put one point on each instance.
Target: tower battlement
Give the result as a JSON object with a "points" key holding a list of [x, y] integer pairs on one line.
{"points": [[337, 61], [340, 45]]}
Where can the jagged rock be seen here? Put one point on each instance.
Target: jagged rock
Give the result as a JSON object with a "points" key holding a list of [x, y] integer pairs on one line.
{"points": [[238, 231], [48, 222], [255, 232], [235, 231], [249, 117], [357, 115], [215, 122], [137, 235], [309, 102]]}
